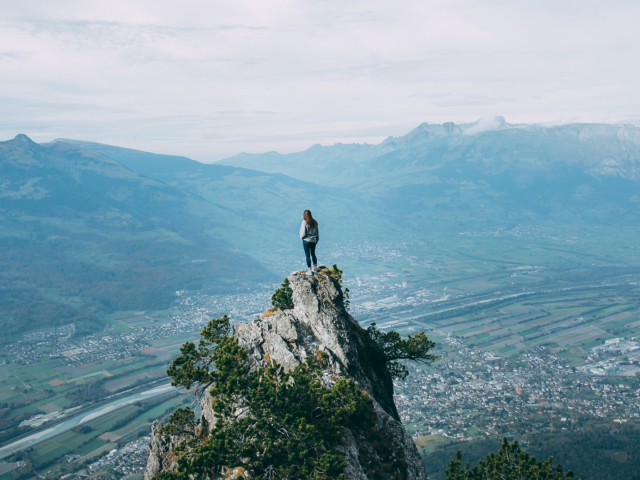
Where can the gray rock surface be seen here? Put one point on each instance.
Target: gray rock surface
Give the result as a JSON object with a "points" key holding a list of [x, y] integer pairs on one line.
{"points": [[320, 323], [161, 451]]}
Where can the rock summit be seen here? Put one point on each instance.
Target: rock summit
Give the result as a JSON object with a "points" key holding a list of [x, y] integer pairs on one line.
{"points": [[318, 323]]}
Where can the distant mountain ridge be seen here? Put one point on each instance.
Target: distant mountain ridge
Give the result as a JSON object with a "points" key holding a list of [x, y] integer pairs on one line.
{"points": [[598, 149], [488, 172]]}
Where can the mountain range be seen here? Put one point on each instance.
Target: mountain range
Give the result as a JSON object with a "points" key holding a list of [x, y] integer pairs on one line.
{"points": [[488, 170], [85, 233], [89, 229], [82, 234], [598, 149]]}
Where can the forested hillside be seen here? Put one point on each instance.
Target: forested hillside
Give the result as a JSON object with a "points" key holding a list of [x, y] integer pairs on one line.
{"points": [[83, 234]]}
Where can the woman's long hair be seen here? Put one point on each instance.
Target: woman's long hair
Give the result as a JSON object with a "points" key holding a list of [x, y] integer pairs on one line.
{"points": [[311, 222]]}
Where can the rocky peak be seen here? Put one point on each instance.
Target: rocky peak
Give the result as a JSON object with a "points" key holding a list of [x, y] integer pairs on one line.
{"points": [[320, 326]]}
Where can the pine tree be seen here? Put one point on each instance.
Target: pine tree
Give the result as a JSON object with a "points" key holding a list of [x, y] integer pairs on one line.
{"points": [[509, 463]]}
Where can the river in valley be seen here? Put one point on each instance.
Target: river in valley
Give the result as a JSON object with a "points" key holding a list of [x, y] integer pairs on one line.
{"points": [[81, 418]]}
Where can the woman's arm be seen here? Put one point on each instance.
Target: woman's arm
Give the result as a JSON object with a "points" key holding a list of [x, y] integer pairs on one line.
{"points": [[303, 230]]}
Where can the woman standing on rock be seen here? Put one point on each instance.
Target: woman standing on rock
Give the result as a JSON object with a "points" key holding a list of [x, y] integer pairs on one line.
{"points": [[310, 234]]}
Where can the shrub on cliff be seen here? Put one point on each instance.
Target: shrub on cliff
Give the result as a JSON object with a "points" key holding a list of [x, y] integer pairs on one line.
{"points": [[393, 348], [282, 298], [269, 422]]}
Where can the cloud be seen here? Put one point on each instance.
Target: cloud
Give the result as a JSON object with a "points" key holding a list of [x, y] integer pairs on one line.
{"points": [[209, 79]]}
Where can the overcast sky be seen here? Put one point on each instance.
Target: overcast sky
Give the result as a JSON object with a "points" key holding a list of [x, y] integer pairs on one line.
{"points": [[209, 79]]}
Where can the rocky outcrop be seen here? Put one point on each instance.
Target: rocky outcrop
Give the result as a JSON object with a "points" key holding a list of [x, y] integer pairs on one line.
{"points": [[161, 451], [320, 323]]}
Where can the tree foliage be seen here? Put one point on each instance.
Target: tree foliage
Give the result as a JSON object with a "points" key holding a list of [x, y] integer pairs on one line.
{"points": [[415, 348], [509, 463], [181, 422], [282, 298], [335, 273], [270, 422], [347, 299], [195, 365]]}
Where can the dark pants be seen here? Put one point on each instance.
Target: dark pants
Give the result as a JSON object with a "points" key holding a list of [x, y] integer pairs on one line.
{"points": [[310, 253]]}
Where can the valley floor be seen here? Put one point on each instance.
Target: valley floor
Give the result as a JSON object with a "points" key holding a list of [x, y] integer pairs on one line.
{"points": [[536, 330]]}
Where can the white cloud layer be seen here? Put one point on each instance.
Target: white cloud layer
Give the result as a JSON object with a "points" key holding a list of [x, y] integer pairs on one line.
{"points": [[209, 79]]}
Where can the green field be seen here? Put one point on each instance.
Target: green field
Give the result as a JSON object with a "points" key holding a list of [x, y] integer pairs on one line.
{"points": [[507, 295], [105, 432]]}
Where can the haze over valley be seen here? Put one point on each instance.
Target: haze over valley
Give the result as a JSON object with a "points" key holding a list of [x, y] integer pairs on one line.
{"points": [[513, 246]]}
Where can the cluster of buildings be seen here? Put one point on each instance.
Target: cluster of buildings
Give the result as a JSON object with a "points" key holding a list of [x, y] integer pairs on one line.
{"points": [[238, 307], [523, 231], [131, 459], [195, 313], [42, 418], [87, 349], [48, 333], [365, 251], [478, 393], [617, 356], [119, 463], [376, 293]]}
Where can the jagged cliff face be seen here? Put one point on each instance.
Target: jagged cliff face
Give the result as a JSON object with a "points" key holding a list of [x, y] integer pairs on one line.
{"points": [[320, 323]]}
